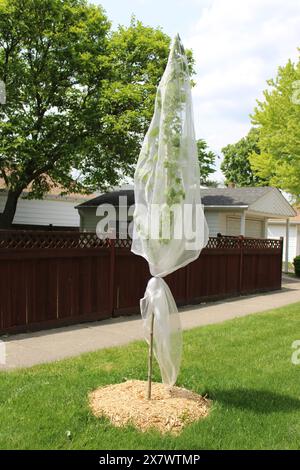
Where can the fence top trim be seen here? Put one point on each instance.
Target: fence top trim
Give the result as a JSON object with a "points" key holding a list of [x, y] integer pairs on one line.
{"points": [[36, 239]]}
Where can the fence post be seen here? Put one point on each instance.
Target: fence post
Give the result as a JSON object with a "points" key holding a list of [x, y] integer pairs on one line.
{"points": [[112, 246], [241, 241], [281, 260]]}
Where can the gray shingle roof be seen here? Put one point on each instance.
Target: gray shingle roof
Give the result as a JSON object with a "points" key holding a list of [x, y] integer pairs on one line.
{"points": [[210, 197], [111, 197], [232, 196]]}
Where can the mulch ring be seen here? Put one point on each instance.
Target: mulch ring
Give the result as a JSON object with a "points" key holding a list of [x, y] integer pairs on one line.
{"points": [[169, 410]]}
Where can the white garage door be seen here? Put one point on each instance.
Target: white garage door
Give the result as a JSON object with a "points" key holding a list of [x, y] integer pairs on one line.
{"points": [[233, 226], [254, 228], [278, 230]]}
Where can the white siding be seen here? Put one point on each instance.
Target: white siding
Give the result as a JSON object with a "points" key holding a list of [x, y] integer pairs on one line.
{"points": [[212, 219], [89, 220], [216, 222], [227, 223], [278, 230], [59, 213], [222, 222]]}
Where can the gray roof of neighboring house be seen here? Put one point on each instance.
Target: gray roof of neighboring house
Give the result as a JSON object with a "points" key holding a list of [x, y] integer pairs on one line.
{"points": [[233, 196], [210, 197], [111, 197]]}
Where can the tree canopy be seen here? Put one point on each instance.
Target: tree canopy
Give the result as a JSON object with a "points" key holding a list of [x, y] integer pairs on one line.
{"points": [[277, 118], [207, 159], [79, 96], [236, 163]]}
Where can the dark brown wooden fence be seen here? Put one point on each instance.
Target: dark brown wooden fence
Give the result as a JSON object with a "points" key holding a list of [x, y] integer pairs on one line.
{"points": [[49, 279]]}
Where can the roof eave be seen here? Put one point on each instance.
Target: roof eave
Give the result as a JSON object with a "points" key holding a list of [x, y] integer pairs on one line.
{"points": [[227, 206]]}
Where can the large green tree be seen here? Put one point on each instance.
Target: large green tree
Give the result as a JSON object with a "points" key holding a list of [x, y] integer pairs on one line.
{"points": [[277, 118], [236, 163], [207, 160], [79, 96]]}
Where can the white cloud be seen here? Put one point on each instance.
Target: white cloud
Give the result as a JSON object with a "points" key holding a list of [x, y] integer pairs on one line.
{"points": [[238, 45]]}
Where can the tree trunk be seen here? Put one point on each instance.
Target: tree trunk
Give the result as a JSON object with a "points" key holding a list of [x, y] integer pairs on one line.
{"points": [[7, 216]]}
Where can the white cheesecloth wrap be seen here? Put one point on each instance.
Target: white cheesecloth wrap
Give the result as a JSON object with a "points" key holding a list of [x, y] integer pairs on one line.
{"points": [[167, 176]]}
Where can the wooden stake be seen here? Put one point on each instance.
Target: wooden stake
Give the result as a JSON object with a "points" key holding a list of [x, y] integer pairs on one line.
{"points": [[150, 358]]}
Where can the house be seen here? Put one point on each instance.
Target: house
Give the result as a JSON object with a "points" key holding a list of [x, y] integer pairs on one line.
{"points": [[229, 211], [244, 211], [52, 212]]}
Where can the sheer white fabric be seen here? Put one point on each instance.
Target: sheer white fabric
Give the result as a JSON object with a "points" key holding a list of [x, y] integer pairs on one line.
{"points": [[167, 329], [169, 224]]}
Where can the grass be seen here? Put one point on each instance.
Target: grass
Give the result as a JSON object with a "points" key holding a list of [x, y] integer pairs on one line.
{"points": [[244, 366]]}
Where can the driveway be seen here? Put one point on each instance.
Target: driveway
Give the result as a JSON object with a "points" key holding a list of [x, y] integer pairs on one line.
{"points": [[28, 349]]}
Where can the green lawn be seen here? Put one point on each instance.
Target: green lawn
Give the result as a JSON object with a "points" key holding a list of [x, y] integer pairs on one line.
{"points": [[243, 365]]}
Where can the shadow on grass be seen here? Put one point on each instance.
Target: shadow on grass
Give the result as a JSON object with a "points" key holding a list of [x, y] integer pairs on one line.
{"points": [[259, 401]]}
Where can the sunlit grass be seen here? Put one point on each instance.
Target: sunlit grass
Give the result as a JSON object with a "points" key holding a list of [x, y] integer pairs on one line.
{"points": [[244, 366]]}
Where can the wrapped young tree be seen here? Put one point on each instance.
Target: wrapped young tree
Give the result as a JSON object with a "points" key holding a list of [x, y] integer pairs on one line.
{"points": [[169, 224], [169, 232]]}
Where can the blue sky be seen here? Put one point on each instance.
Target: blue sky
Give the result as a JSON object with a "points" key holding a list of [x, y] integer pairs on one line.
{"points": [[237, 45]]}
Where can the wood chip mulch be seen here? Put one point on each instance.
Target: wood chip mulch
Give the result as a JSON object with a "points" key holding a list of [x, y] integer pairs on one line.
{"points": [[169, 410]]}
